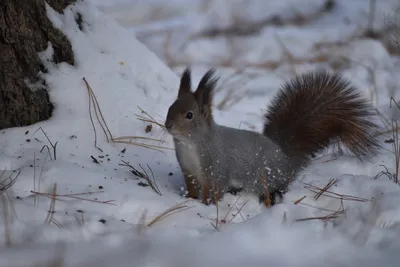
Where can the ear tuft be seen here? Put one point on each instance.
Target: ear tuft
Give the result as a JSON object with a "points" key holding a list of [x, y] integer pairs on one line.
{"points": [[186, 83], [205, 89]]}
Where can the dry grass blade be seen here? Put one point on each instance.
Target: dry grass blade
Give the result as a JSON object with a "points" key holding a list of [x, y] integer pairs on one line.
{"points": [[53, 146], [143, 175], [331, 183], [100, 118], [142, 222], [154, 184], [6, 218], [385, 172], [92, 101], [238, 212], [327, 193], [387, 131], [74, 196], [153, 147], [98, 112], [314, 207], [170, 211], [287, 55], [134, 137], [396, 144], [149, 119], [216, 225], [396, 149], [8, 182], [328, 217], [52, 205], [384, 121], [224, 220], [51, 210]]}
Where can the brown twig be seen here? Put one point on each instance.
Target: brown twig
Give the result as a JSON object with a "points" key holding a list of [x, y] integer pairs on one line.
{"points": [[299, 200]]}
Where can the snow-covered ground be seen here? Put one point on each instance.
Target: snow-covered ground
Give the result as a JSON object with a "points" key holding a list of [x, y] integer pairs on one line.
{"points": [[83, 208]]}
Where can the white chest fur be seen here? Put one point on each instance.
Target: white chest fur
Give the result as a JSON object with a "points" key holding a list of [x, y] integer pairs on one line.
{"points": [[190, 159]]}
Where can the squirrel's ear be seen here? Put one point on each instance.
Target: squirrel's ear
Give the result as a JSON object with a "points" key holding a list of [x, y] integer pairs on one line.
{"points": [[185, 84], [204, 92]]}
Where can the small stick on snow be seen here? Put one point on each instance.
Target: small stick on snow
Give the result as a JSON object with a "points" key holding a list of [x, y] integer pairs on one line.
{"points": [[299, 200]]}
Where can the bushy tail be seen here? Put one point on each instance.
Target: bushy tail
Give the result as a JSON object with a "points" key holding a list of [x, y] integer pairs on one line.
{"points": [[316, 109]]}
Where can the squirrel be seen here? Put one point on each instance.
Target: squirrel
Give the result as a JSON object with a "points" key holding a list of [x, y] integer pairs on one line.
{"points": [[309, 113]]}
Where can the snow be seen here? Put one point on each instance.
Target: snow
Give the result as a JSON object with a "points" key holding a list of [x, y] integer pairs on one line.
{"points": [[126, 75]]}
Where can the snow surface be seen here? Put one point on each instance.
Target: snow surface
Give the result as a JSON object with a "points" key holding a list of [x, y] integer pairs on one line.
{"points": [[125, 75]]}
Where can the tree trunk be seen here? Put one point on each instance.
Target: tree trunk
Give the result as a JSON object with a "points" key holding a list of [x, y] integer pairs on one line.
{"points": [[25, 30]]}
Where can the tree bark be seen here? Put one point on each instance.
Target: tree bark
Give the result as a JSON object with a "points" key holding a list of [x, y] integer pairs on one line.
{"points": [[25, 30]]}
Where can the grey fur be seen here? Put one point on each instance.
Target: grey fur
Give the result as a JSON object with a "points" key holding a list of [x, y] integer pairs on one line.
{"points": [[233, 157]]}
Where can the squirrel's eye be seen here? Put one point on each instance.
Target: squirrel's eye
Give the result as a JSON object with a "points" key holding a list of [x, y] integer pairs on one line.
{"points": [[189, 115]]}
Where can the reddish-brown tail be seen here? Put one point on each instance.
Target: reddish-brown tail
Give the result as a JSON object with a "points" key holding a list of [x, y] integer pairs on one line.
{"points": [[316, 109]]}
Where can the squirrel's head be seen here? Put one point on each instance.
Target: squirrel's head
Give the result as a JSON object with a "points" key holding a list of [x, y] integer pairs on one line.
{"points": [[191, 112]]}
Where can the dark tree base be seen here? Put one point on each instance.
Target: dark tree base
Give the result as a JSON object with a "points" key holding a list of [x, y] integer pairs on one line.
{"points": [[25, 30]]}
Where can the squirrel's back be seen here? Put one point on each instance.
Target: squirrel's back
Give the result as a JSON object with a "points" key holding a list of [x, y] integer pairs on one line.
{"points": [[244, 159], [314, 110]]}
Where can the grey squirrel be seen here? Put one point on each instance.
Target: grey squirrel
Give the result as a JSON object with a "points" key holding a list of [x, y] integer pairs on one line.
{"points": [[309, 113]]}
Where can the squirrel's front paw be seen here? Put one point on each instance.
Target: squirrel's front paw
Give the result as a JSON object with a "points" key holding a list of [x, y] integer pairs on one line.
{"points": [[191, 195]]}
